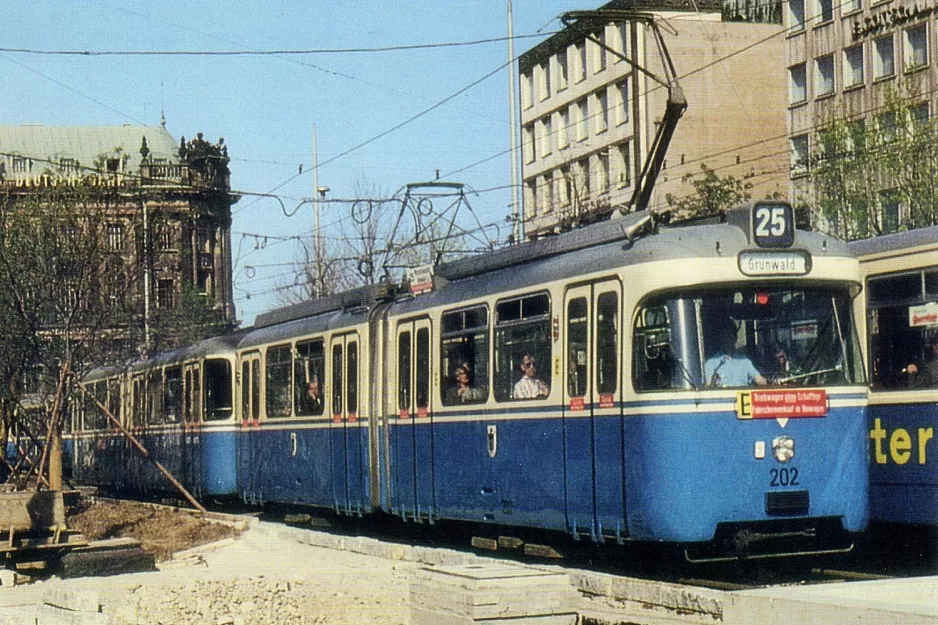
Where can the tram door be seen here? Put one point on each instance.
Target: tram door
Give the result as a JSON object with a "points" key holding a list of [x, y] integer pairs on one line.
{"points": [[348, 435], [412, 492], [592, 422], [191, 425], [249, 434]]}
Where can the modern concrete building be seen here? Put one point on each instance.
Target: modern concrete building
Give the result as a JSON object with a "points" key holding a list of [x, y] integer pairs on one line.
{"points": [[588, 117], [845, 60], [182, 187]]}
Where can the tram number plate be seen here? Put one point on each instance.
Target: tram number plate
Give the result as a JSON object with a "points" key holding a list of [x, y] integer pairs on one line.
{"points": [[784, 477]]}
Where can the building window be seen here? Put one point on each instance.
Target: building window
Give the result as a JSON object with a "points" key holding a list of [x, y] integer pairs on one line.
{"points": [[581, 120], [527, 86], [798, 83], [545, 194], [561, 70], [21, 165], [602, 119], [69, 167], [546, 136], [565, 186], [796, 15], [799, 155], [165, 294], [582, 179], [115, 237], [601, 51], [885, 63], [856, 137], [165, 241], [825, 11], [824, 76], [622, 111], [853, 67], [528, 144], [886, 124], [602, 171], [622, 45], [851, 6], [916, 47], [543, 81], [563, 129], [918, 114], [623, 165], [530, 198], [891, 206], [581, 61]]}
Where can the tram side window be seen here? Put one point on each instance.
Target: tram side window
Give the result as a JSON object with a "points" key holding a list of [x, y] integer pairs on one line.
{"points": [[403, 372], [154, 408], [309, 378], [464, 351], [337, 380], [246, 390], [607, 343], [278, 381], [577, 338], [172, 394], [422, 374], [351, 378], [94, 418], [522, 336], [113, 400], [139, 401], [218, 391], [903, 346]]}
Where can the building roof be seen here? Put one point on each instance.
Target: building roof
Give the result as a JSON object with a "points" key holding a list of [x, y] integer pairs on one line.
{"points": [[85, 144], [568, 36]]}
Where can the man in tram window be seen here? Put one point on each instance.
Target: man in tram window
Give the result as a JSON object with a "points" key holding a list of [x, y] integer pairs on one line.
{"points": [[463, 391], [313, 399], [925, 376], [729, 367], [529, 386]]}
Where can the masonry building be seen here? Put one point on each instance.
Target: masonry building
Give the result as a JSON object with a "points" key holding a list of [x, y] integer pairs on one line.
{"points": [[179, 191], [588, 117]]}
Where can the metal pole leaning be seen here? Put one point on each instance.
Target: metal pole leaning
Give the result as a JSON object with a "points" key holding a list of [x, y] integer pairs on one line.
{"points": [[143, 450]]}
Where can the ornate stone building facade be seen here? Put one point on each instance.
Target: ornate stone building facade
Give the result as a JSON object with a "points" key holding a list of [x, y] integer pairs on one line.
{"points": [[167, 204]]}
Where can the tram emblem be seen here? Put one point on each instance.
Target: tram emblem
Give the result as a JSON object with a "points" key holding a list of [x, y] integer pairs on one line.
{"points": [[783, 448]]}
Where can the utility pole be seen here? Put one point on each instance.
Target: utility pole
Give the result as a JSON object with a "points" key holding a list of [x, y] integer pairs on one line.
{"points": [[319, 194], [516, 213]]}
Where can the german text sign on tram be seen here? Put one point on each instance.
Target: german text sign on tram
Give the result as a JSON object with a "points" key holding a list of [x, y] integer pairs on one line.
{"points": [[784, 404]]}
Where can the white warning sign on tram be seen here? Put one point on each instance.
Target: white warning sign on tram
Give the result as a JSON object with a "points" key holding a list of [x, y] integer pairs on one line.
{"points": [[924, 315], [420, 278]]}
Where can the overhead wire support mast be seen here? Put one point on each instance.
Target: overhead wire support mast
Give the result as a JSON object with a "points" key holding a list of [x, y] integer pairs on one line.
{"points": [[588, 21]]}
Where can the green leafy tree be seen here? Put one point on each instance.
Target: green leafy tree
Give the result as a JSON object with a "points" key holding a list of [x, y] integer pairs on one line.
{"points": [[712, 194], [863, 170]]}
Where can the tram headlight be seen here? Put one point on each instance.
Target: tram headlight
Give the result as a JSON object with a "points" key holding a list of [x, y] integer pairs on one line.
{"points": [[783, 448]]}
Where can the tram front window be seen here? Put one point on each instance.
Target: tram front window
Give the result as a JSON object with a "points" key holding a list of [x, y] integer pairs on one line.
{"points": [[218, 395], [733, 338]]}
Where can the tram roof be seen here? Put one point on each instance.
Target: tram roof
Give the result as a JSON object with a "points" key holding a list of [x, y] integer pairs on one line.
{"points": [[896, 241]]}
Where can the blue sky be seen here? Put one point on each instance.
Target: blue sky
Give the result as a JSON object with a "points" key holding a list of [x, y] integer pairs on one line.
{"points": [[266, 106]]}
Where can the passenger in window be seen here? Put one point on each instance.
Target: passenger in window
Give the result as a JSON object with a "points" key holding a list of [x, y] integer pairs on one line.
{"points": [[925, 376], [312, 403], [462, 391], [529, 386], [728, 367]]}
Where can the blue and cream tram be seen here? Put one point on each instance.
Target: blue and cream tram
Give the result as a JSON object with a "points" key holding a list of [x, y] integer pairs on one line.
{"points": [[901, 302], [699, 384]]}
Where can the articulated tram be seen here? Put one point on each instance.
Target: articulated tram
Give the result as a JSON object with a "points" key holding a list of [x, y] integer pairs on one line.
{"points": [[699, 384]]}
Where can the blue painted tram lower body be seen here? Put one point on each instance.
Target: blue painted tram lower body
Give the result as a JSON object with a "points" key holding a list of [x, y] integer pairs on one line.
{"points": [[904, 463], [658, 472]]}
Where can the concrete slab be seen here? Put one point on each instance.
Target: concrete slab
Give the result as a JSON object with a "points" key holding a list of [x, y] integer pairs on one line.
{"points": [[489, 593], [912, 601]]}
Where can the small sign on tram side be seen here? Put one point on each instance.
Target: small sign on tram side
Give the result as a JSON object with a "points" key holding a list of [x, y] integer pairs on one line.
{"points": [[420, 279]]}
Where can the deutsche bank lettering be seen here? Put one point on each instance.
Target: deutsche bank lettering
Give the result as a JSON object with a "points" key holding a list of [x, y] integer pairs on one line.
{"points": [[773, 264]]}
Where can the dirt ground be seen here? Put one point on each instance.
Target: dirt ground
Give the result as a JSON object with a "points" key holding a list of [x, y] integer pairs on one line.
{"points": [[161, 530]]}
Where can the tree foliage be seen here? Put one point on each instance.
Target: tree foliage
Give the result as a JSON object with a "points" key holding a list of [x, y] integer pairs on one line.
{"points": [[872, 176], [712, 194]]}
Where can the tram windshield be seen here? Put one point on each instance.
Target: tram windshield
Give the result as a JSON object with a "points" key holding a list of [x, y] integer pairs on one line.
{"points": [[731, 338]]}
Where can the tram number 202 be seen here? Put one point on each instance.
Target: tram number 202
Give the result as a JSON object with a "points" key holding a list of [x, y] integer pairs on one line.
{"points": [[784, 477]]}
